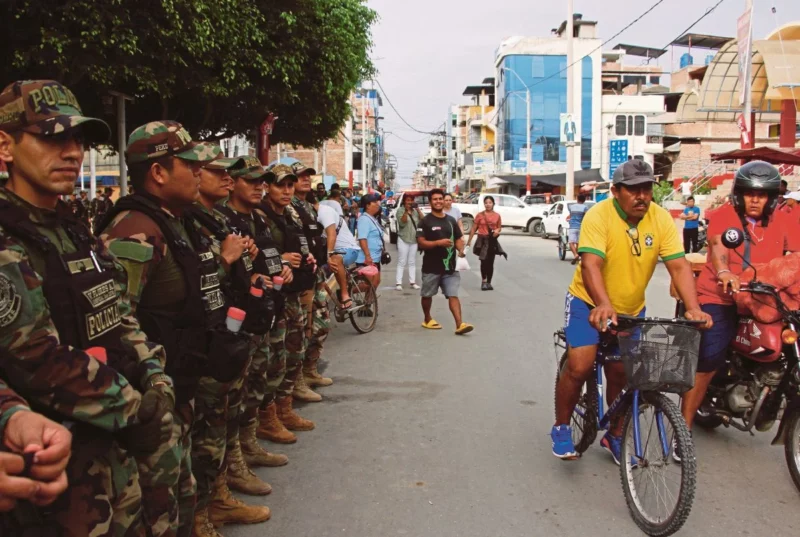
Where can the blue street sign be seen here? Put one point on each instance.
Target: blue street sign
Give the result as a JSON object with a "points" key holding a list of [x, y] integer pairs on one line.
{"points": [[618, 154]]}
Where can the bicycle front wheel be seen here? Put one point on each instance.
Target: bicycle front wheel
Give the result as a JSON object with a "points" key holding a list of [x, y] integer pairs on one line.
{"points": [[584, 417], [365, 304], [659, 491]]}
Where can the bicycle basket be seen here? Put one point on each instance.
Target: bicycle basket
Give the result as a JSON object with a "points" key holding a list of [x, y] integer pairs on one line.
{"points": [[660, 357]]}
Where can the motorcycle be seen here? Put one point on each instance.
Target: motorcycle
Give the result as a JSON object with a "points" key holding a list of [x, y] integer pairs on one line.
{"points": [[760, 383]]}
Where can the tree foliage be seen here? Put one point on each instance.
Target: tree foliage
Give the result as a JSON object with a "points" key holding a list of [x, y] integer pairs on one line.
{"points": [[217, 66]]}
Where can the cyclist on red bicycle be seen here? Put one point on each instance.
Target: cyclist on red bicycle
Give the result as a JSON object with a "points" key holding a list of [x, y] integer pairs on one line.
{"points": [[620, 243]]}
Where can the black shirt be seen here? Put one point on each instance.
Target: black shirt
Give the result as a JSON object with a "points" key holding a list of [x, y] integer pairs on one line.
{"points": [[439, 260]]}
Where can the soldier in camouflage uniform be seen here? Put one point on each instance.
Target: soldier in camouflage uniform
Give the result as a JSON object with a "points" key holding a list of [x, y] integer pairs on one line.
{"points": [[287, 340], [174, 284], [217, 404], [319, 322], [23, 431], [66, 326]]}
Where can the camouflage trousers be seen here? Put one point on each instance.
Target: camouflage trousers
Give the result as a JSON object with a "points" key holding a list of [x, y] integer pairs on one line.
{"points": [[319, 324], [169, 490], [235, 408], [296, 313], [209, 435], [103, 499]]}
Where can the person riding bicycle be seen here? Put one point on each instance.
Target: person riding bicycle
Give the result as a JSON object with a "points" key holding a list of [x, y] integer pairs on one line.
{"points": [[577, 211], [620, 243], [340, 239], [768, 234]]}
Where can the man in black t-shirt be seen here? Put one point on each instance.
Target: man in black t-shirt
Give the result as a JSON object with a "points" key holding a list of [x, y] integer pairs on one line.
{"points": [[440, 237]]}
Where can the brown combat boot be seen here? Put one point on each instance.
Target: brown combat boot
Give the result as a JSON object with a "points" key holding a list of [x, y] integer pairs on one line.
{"points": [[302, 392], [242, 478], [202, 526], [314, 379], [254, 454], [290, 419], [270, 427], [225, 509]]}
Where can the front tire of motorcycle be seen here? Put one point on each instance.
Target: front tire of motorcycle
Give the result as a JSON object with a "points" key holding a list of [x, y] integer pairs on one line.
{"points": [[792, 446]]}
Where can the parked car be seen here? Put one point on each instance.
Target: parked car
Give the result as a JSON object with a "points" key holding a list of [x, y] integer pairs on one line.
{"points": [[557, 218], [421, 198], [514, 213], [541, 199]]}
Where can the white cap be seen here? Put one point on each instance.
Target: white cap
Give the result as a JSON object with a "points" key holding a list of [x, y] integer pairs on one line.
{"points": [[792, 196]]}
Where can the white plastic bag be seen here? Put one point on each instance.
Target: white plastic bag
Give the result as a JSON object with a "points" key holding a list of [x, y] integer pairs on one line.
{"points": [[462, 265]]}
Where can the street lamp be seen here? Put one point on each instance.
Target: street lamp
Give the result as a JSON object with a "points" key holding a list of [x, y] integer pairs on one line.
{"points": [[527, 129]]}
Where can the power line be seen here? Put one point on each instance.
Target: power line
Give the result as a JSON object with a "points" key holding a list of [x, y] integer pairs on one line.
{"points": [[703, 16], [386, 96]]}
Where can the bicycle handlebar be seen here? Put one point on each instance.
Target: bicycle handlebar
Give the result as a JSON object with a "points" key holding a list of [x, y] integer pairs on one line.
{"points": [[631, 320]]}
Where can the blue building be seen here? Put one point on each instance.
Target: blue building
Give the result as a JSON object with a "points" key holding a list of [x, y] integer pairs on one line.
{"points": [[540, 65]]}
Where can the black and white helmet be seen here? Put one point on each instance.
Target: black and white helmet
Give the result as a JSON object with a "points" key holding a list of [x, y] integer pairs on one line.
{"points": [[757, 176]]}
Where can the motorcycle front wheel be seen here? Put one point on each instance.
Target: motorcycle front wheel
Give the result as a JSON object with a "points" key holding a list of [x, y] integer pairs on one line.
{"points": [[792, 446]]}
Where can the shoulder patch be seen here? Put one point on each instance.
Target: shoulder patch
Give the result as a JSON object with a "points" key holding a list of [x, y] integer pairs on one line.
{"points": [[10, 301], [133, 250]]}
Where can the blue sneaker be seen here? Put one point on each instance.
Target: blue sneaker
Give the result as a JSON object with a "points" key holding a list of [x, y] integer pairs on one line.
{"points": [[613, 444], [563, 447]]}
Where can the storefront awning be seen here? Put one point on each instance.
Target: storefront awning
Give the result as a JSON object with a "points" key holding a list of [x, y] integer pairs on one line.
{"points": [[555, 179], [773, 155], [782, 60]]}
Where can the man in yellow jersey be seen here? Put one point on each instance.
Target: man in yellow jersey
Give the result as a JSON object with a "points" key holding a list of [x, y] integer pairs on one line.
{"points": [[621, 240]]}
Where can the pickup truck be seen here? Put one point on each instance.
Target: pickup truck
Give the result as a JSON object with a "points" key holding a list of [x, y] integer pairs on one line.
{"points": [[514, 213]]}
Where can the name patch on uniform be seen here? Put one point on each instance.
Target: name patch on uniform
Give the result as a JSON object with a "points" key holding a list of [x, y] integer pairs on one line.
{"points": [[209, 281], [206, 256], [304, 245], [214, 300], [103, 321], [101, 294], [10, 301], [273, 261], [248, 263], [78, 266]]}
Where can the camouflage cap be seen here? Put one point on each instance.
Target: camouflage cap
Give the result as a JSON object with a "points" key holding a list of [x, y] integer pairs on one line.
{"points": [[250, 168], [221, 162], [166, 139], [281, 172], [300, 169], [46, 108]]}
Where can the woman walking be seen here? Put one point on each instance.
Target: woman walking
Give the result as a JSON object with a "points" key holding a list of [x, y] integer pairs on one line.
{"points": [[487, 225], [408, 219]]}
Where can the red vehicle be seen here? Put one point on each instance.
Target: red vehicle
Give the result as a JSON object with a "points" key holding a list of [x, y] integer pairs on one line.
{"points": [[761, 380]]}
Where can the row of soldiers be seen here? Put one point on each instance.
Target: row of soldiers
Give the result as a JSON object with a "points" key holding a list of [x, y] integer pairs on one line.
{"points": [[169, 341], [91, 211]]}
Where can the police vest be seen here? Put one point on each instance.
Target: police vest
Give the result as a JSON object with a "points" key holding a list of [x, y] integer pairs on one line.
{"points": [[79, 288], [183, 334], [294, 241], [269, 263], [314, 232]]}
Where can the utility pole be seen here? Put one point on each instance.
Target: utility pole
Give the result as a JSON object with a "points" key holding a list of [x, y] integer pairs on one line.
{"points": [[363, 140], [122, 139], [528, 142], [747, 111], [570, 193]]}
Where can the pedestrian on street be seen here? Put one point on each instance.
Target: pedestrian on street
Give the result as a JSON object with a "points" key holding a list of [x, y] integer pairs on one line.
{"points": [[408, 219], [691, 226], [455, 212], [350, 209], [370, 237], [440, 237], [321, 192], [576, 213], [487, 225], [337, 230]]}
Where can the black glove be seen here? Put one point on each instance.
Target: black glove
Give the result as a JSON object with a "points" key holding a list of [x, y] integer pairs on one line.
{"points": [[154, 423], [228, 353]]}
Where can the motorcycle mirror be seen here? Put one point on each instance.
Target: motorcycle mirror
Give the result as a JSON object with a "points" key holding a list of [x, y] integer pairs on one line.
{"points": [[732, 238]]}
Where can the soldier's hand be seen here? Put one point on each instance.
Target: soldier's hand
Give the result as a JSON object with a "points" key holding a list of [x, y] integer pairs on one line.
{"points": [[154, 427], [233, 247], [287, 275], [252, 248], [266, 282], [48, 441], [13, 488], [293, 258]]}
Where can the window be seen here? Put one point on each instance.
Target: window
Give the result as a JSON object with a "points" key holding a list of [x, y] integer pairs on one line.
{"points": [[630, 125], [559, 208], [620, 129], [638, 126], [537, 67]]}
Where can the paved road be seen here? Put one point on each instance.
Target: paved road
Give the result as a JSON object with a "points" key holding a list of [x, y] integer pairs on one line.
{"points": [[429, 434]]}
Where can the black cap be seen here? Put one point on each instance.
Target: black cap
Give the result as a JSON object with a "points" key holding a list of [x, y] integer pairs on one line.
{"points": [[633, 172], [369, 198]]}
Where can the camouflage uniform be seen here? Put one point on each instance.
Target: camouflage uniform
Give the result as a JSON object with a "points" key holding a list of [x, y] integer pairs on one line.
{"points": [[104, 497], [10, 403], [156, 281]]}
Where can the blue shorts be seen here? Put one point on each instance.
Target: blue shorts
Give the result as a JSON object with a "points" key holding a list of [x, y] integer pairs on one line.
{"points": [[350, 257], [715, 341], [576, 323]]}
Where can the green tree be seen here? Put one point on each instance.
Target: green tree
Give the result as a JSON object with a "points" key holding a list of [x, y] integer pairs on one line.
{"points": [[217, 66]]}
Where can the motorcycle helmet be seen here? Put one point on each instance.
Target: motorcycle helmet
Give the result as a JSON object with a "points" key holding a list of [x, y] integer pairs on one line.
{"points": [[760, 176]]}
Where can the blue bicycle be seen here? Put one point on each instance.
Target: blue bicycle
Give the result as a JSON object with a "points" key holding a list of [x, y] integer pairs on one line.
{"points": [[659, 355]]}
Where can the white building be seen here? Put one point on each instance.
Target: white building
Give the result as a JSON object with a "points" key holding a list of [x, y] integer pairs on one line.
{"points": [[632, 120]]}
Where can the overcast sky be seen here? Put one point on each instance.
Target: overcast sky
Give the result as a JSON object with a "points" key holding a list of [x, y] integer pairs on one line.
{"points": [[428, 51]]}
